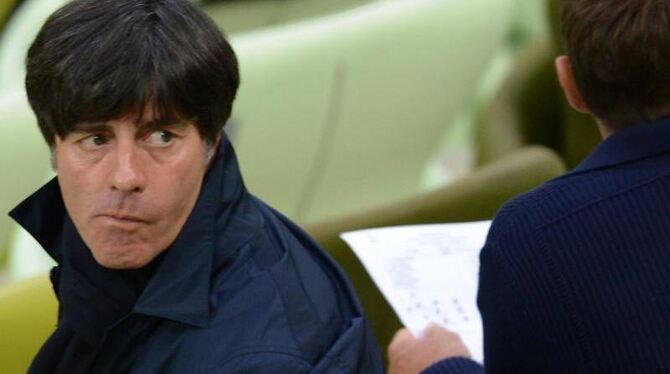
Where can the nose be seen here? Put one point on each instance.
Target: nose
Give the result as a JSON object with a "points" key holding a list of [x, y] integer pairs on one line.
{"points": [[127, 174]]}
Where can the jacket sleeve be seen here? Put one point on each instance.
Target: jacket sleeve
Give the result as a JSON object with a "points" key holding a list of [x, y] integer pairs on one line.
{"points": [[266, 362], [355, 351]]}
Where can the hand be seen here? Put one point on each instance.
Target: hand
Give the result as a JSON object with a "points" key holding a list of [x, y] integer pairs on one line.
{"points": [[410, 355]]}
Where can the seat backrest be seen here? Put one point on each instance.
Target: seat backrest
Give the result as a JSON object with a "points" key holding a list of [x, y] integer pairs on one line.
{"points": [[344, 112], [477, 196], [28, 313], [6, 8], [24, 160], [16, 38]]}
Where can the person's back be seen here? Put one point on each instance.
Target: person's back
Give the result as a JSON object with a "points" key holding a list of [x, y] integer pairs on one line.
{"points": [[574, 274]]}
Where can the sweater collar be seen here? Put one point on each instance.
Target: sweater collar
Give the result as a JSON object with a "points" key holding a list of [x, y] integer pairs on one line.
{"points": [[629, 144]]}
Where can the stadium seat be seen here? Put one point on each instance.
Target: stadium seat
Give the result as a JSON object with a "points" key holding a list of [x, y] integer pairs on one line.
{"points": [[6, 9], [24, 161], [477, 196], [16, 37], [343, 113], [28, 312]]}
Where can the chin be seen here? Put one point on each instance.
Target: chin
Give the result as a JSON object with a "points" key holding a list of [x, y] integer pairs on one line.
{"points": [[127, 259]]}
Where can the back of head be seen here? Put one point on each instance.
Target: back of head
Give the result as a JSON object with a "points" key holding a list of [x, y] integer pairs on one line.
{"points": [[620, 53], [96, 60]]}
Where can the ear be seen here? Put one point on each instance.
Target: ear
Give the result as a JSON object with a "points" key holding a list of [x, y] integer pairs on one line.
{"points": [[217, 143], [52, 152], [212, 150], [567, 80]]}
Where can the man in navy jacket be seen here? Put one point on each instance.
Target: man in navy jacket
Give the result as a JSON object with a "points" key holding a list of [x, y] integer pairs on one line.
{"points": [[166, 263], [574, 275]]}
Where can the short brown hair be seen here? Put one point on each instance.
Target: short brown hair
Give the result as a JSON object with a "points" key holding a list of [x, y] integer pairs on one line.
{"points": [[620, 53]]}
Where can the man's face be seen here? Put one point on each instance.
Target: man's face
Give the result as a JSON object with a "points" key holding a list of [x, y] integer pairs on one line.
{"points": [[129, 187]]}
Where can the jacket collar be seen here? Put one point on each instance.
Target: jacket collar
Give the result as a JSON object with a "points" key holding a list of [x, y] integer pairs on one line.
{"points": [[628, 144], [179, 288]]}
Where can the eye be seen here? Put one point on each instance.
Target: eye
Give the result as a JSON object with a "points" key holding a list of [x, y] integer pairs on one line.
{"points": [[160, 137], [94, 141]]}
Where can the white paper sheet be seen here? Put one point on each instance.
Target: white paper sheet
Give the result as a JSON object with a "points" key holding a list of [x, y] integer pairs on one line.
{"points": [[428, 273]]}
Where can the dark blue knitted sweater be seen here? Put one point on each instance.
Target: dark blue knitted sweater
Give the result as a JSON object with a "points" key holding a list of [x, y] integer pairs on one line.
{"points": [[575, 275]]}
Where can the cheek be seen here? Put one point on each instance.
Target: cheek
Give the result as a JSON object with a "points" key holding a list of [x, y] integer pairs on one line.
{"points": [[78, 187], [179, 189]]}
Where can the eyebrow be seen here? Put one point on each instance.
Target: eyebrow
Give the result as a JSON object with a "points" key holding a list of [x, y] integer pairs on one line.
{"points": [[142, 125], [148, 125], [91, 127]]}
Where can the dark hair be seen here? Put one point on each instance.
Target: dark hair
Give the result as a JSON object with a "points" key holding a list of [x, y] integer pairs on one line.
{"points": [[97, 60], [620, 53]]}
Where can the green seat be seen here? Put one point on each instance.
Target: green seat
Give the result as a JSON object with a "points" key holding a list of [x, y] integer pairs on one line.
{"points": [[477, 196], [6, 8], [28, 313], [343, 114], [24, 161], [16, 37]]}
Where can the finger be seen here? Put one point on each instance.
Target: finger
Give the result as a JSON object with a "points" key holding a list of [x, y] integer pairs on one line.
{"points": [[401, 336], [434, 329]]}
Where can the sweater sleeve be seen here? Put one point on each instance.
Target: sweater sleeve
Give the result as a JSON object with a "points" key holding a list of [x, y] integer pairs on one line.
{"points": [[455, 365], [504, 314], [507, 323], [496, 299], [516, 296]]}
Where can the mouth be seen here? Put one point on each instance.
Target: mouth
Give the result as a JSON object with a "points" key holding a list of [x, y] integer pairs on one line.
{"points": [[123, 219]]}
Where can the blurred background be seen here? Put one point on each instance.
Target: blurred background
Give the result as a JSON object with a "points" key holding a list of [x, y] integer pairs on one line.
{"points": [[351, 114]]}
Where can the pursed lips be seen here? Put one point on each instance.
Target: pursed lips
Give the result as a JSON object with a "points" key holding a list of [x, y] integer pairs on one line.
{"points": [[124, 218]]}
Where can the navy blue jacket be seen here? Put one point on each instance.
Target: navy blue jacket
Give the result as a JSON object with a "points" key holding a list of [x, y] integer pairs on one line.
{"points": [[241, 290], [575, 275]]}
